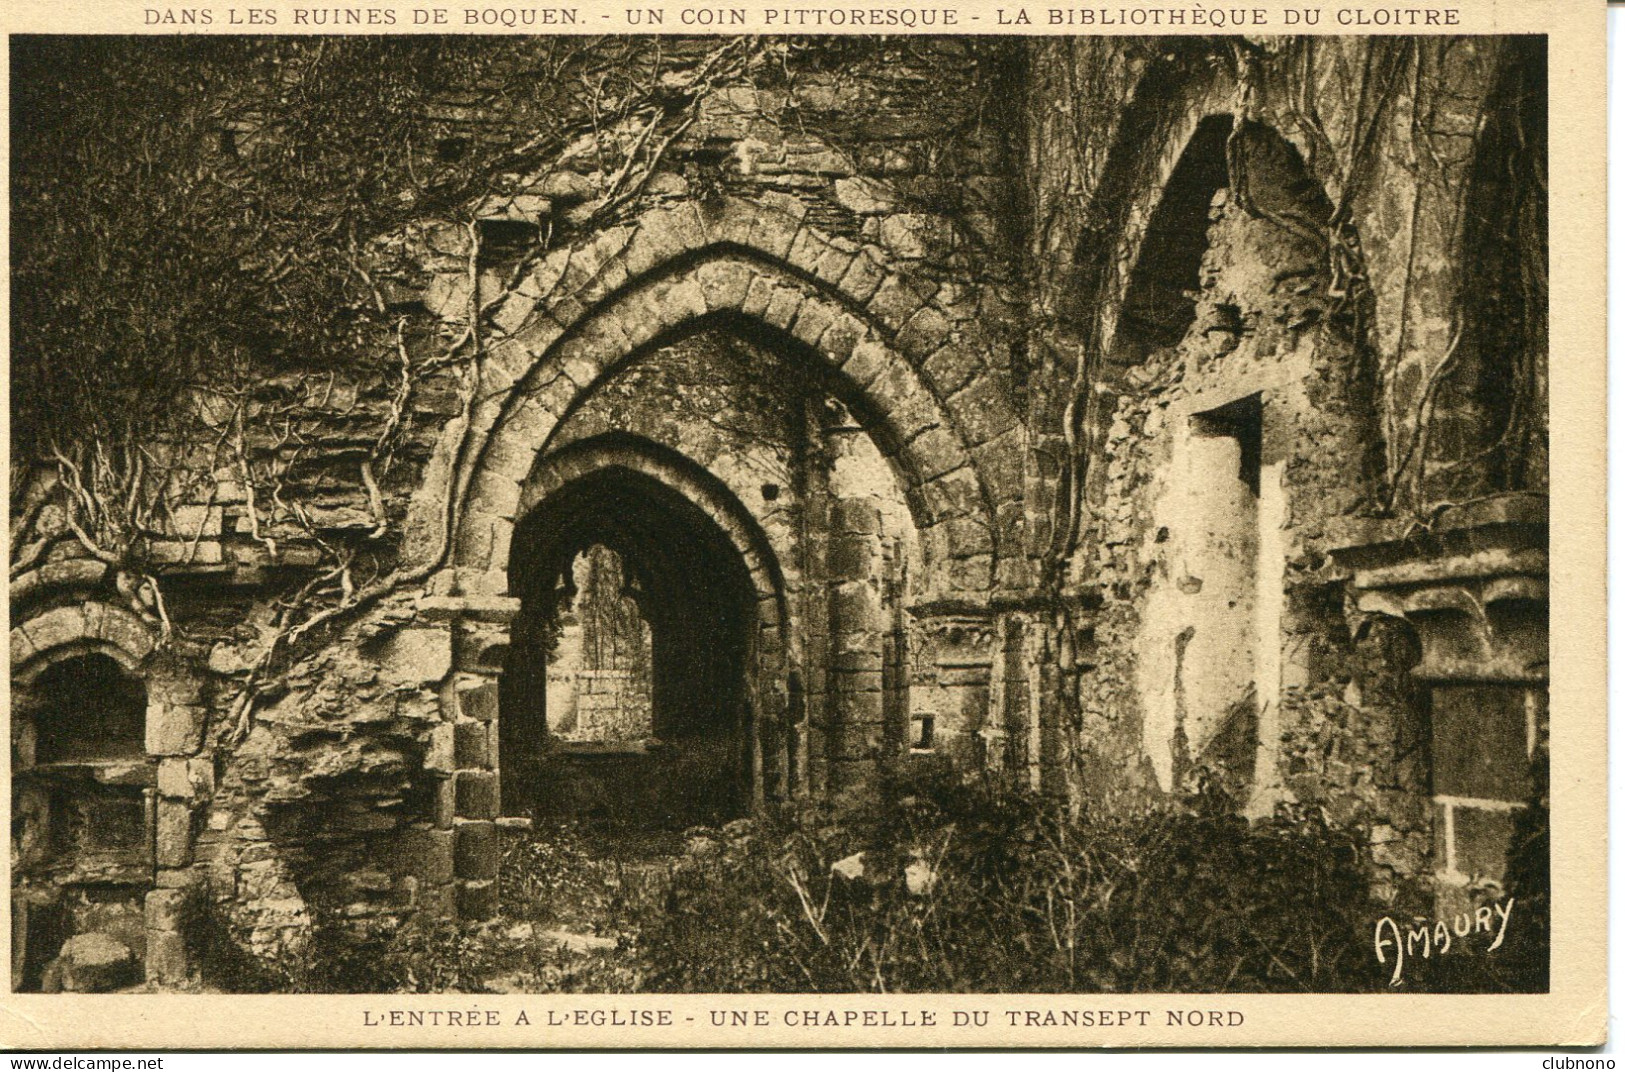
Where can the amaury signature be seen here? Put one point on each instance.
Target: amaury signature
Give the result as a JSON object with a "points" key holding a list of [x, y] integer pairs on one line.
{"points": [[1424, 937]]}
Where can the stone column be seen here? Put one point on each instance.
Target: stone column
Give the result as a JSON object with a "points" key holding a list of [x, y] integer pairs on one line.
{"points": [[856, 640], [185, 780], [1012, 738], [466, 819], [1474, 588], [855, 564]]}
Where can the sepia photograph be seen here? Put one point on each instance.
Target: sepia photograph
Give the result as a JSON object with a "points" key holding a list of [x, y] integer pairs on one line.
{"points": [[869, 513]]}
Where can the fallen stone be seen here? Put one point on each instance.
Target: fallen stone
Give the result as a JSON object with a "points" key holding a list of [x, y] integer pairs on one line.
{"points": [[579, 943], [850, 868], [95, 963], [920, 878]]}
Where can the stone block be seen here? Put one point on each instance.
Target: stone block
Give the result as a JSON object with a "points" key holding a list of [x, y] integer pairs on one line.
{"points": [[863, 277], [985, 410], [174, 729], [174, 835], [418, 656], [94, 963], [495, 494], [833, 263], [427, 854], [867, 361], [774, 233], [193, 521], [54, 628], [22, 648], [679, 299], [478, 701], [477, 900], [511, 315], [166, 963], [445, 803], [864, 196], [916, 235], [566, 188], [724, 283], [783, 306], [867, 659], [855, 705], [757, 295], [857, 516], [162, 909], [854, 606], [895, 301], [951, 366], [175, 778], [967, 536], [440, 756], [477, 794], [807, 248], [973, 574], [812, 320], [843, 333], [953, 494], [852, 557], [936, 452], [473, 747], [478, 850], [447, 296], [924, 334]]}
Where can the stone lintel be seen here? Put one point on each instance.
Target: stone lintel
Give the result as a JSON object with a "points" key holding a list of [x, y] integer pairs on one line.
{"points": [[498, 610]]}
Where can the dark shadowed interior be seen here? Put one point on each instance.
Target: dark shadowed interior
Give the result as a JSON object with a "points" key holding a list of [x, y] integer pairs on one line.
{"points": [[691, 587]]}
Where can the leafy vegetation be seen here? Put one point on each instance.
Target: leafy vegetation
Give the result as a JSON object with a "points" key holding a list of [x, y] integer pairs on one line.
{"points": [[938, 885]]}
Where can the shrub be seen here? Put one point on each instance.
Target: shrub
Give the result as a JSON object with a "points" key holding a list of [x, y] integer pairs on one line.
{"points": [[932, 883], [1010, 895]]}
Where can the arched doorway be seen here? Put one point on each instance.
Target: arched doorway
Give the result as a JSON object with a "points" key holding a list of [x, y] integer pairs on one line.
{"points": [[627, 693]]}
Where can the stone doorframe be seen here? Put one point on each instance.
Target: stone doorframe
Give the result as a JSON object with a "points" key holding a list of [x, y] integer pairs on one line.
{"points": [[915, 364], [468, 760]]}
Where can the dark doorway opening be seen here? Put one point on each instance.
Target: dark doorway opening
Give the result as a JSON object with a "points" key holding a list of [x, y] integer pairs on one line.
{"points": [[624, 698]]}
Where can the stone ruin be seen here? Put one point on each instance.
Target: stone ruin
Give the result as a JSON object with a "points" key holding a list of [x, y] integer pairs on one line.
{"points": [[1111, 457]]}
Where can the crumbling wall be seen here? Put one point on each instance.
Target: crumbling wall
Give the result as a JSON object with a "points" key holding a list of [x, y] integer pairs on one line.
{"points": [[1031, 385], [1337, 320]]}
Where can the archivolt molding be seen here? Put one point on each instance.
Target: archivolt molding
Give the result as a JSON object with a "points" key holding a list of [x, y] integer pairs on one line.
{"points": [[77, 630], [554, 471], [916, 364]]}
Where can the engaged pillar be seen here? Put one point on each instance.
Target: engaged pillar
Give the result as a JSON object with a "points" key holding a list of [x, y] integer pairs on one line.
{"points": [[1474, 588]]}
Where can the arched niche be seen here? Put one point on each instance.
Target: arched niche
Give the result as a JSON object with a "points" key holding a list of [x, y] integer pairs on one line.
{"points": [[1224, 159]]}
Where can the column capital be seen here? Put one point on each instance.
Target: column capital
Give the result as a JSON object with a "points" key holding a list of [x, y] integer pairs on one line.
{"points": [[1473, 584]]}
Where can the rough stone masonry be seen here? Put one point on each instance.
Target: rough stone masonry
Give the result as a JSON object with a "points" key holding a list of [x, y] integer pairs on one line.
{"points": [[1120, 416]]}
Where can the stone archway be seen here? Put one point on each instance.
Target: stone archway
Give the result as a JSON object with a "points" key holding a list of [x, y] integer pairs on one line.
{"points": [[914, 369], [702, 578], [907, 361]]}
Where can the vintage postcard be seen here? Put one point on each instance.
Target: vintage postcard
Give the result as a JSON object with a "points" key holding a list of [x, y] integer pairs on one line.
{"points": [[860, 524]]}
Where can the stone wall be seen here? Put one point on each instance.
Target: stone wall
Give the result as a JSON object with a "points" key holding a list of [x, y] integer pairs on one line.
{"points": [[1024, 402], [1329, 292]]}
